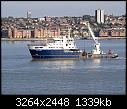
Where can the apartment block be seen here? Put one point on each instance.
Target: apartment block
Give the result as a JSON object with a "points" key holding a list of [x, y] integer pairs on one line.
{"points": [[99, 16]]}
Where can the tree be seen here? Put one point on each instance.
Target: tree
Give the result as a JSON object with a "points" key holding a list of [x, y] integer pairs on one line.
{"points": [[86, 17]]}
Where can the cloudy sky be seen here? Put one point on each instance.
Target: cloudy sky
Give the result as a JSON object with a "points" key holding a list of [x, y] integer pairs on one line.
{"points": [[61, 8]]}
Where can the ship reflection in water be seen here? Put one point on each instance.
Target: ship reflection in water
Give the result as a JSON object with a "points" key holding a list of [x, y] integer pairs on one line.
{"points": [[96, 63], [93, 63]]}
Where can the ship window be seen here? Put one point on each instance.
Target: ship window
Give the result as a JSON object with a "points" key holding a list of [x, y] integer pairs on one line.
{"points": [[66, 44], [36, 47]]}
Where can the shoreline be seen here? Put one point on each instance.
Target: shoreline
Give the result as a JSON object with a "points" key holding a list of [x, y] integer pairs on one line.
{"points": [[108, 38], [36, 39]]}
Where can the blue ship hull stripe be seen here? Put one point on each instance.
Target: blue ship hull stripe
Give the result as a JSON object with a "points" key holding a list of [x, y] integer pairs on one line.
{"points": [[54, 54], [50, 57]]}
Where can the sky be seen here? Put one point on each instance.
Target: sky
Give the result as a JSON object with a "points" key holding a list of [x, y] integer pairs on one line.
{"points": [[61, 8]]}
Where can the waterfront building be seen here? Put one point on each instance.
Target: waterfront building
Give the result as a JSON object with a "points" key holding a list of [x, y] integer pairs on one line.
{"points": [[99, 16], [111, 33], [118, 32], [9, 34], [5, 33], [31, 33], [14, 32], [123, 32], [21, 33], [104, 33]]}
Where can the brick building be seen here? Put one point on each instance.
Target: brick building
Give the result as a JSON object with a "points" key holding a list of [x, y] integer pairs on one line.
{"points": [[104, 33], [31, 33], [113, 33], [118, 33]]}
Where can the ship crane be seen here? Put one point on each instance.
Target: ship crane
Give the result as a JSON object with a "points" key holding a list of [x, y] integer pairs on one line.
{"points": [[96, 52], [96, 49]]}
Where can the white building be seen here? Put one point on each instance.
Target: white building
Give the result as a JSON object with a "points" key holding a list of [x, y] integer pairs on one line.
{"points": [[99, 16], [28, 14]]}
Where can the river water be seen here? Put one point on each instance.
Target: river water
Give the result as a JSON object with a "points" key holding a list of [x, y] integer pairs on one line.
{"points": [[21, 75]]}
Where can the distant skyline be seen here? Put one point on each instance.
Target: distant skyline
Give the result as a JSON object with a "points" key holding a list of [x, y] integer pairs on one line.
{"points": [[61, 8]]}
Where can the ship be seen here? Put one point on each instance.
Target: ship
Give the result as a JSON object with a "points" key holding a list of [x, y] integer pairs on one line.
{"points": [[97, 52], [62, 47]]}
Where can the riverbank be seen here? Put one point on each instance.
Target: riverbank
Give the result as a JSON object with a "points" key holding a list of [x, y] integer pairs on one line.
{"points": [[37, 39], [107, 38], [25, 39]]}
